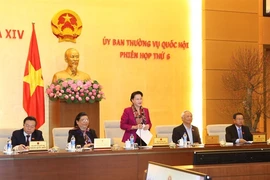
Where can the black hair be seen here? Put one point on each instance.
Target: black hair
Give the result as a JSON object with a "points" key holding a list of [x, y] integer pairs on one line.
{"points": [[134, 94], [30, 118], [78, 117], [234, 116]]}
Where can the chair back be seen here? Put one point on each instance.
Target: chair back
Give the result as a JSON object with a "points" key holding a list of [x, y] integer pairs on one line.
{"points": [[165, 131], [113, 131], [217, 130], [60, 136], [5, 133]]}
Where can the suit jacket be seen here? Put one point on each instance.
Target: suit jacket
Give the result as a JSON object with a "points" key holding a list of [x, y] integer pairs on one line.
{"points": [[128, 120], [78, 134], [19, 138], [232, 135], [179, 131]]}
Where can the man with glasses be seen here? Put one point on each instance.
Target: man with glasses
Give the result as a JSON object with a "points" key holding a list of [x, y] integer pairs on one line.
{"points": [[21, 138], [237, 132]]}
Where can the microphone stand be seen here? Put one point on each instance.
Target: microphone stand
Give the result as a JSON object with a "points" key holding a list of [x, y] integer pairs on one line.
{"points": [[140, 147], [141, 135]]}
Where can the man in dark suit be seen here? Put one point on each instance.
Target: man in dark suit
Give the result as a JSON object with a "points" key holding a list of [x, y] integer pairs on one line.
{"points": [[237, 132], [192, 131], [21, 138]]}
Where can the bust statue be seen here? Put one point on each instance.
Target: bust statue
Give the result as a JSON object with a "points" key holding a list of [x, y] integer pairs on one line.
{"points": [[72, 58]]}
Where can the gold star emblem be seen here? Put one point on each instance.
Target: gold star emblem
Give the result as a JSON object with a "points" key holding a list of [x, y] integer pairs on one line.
{"points": [[67, 18], [34, 78]]}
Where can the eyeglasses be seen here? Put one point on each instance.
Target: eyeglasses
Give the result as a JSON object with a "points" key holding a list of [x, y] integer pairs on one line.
{"points": [[29, 126], [84, 120], [239, 119]]}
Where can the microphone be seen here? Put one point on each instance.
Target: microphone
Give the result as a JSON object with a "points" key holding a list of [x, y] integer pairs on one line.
{"points": [[142, 122], [140, 139]]}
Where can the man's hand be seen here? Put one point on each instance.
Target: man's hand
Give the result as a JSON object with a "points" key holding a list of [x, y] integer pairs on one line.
{"points": [[242, 141], [20, 147]]}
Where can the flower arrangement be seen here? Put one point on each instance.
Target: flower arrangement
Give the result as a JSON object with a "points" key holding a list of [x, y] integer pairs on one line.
{"points": [[75, 91]]}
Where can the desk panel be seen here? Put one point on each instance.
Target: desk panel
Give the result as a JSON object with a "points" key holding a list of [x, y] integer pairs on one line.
{"points": [[245, 171], [57, 166], [98, 164], [172, 157]]}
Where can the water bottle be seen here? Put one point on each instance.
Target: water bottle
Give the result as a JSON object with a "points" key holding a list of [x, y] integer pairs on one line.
{"points": [[9, 145], [72, 142], [185, 139], [131, 139]]}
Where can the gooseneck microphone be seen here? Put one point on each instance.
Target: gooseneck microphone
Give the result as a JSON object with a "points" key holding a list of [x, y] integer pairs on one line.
{"points": [[143, 122]]}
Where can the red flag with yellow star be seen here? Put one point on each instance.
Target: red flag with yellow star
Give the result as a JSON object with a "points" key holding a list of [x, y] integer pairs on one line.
{"points": [[33, 88]]}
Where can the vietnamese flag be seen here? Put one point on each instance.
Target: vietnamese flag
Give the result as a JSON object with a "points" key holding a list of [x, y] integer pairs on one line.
{"points": [[33, 86]]}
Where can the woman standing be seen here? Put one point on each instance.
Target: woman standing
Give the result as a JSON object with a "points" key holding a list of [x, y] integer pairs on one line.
{"points": [[135, 117]]}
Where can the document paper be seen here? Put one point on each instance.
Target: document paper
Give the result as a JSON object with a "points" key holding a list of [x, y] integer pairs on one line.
{"points": [[145, 135]]}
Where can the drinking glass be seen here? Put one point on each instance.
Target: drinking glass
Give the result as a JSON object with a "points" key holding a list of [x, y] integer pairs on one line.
{"points": [[78, 148], [188, 144], [222, 142], [68, 146]]}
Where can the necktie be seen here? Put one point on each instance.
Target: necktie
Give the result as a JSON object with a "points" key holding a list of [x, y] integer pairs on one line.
{"points": [[240, 136], [27, 139]]}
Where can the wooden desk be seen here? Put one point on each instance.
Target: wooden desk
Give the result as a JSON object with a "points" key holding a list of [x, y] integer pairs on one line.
{"points": [[122, 164], [239, 171]]}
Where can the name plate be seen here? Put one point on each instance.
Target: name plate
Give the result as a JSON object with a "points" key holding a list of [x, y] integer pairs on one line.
{"points": [[102, 143], [259, 138], [37, 145], [161, 141], [212, 140]]}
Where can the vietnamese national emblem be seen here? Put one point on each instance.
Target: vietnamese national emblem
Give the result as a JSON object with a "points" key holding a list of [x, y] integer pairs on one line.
{"points": [[66, 26]]}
